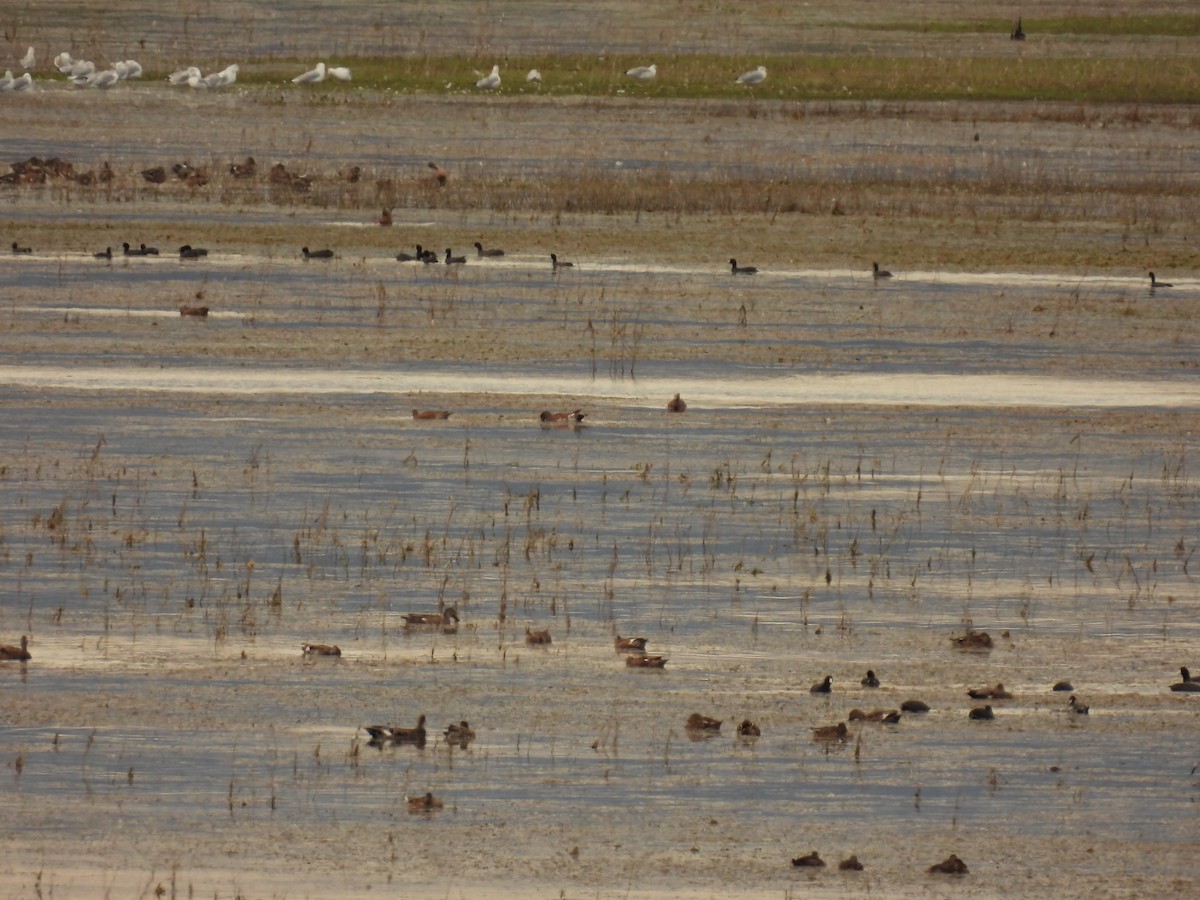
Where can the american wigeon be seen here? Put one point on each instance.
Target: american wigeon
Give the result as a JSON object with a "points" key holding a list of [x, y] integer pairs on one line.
{"points": [[431, 413], [741, 270], [646, 662], [629, 643], [823, 687], [951, 865], [537, 638], [993, 693], [870, 680], [746, 728], [981, 713], [247, 169], [427, 803], [462, 733], [973, 640], [676, 404], [491, 252], [850, 864], [836, 732], [887, 716], [381, 733], [914, 706], [813, 860], [697, 722], [573, 417], [18, 654], [321, 649]]}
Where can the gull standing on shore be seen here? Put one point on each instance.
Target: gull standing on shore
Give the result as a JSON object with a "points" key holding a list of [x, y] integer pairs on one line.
{"points": [[754, 76], [490, 82]]}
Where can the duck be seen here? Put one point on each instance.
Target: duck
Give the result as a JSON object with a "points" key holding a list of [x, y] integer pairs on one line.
{"points": [[491, 81], [1062, 686], [341, 73], [312, 76], [555, 264], [741, 270], [870, 680], [951, 865], [746, 728], [106, 253], [973, 640], [813, 860], [754, 76], [697, 722], [460, 733], [878, 273], [490, 252], [425, 620], [981, 713], [187, 251], [643, 73], [316, 254], [247, 169], [573, 417], [1017, 33], [995, 693], [431, 413], [452, 260], [914, 706], [14, 653], [646, 662], [1074, 706], [629, 643], [676, 404], [17, 248], [439, 175], [155, 175], [1185, 675], [197, 312], [836, 732], [422, 255], [381, 733], [886, 716], [538, 638], [1155, 283], [132, 251], [385, 218], [426, 803], [321, 649], [850, 864], [824, 686], [1186, 687], [148, 251]]}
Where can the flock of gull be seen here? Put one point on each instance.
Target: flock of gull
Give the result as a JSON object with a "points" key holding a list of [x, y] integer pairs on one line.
{"points": [[492, 81]]}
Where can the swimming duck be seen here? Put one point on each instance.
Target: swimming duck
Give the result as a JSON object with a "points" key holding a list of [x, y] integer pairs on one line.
{"points": [[869, 680], [1185, 675], [148, 251], [850, 864], [643, 73], [187, 251], [981, 712], [537, 638], [385, 218], [677, 404], [823, 687], [1017, 33], [887, 716], [973, 640], [246, 169], [812, 860], [646, 662], [1155, 283], [18, 654], [454, 260], [1186, 687], [17, 248], [423, 804], [556, 265], [1076, 707], [440, 175], [878, 273], [321, 649], [754, 76], [156, 175], [198, 312], [697, 722], [381, 733], [490, 81], [836, 732], [431, 413], [426, 620], [951, 865], [106, 253], [132, 251], [914, 706], [461, 733], [316, 254], [746, 728], [634, 643], [741, 270], [572, 417], [996, 693], [491, 252], [1062, 686]]}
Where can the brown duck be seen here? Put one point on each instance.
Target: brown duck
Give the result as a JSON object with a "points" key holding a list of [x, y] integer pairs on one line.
{"points": [[19, 654]]}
